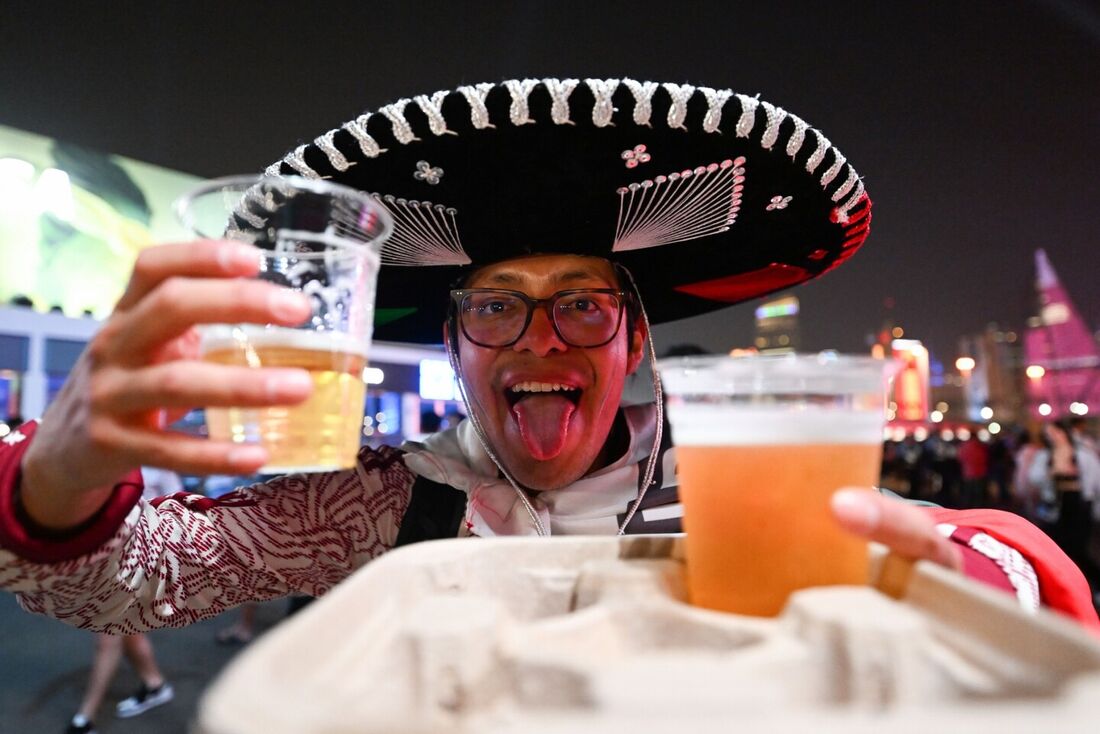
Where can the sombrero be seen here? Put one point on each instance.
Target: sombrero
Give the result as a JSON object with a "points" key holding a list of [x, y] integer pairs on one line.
{"points": [[708, 197]]}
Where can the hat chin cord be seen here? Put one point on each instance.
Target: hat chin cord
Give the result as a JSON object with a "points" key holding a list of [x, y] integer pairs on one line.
{"points": [[475, 409]]}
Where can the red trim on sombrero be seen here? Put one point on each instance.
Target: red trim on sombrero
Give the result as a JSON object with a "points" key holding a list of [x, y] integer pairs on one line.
{"points": [[741, 287]]}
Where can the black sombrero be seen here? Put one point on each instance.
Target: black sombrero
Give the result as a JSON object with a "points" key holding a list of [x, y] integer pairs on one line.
{"points": [[708, 197]]}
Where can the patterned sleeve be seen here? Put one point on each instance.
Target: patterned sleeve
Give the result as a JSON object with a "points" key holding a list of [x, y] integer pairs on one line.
{"points": [[185, 557]]}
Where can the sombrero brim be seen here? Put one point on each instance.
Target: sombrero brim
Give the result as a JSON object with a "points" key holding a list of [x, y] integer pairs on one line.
{"points": [[708, 197]]}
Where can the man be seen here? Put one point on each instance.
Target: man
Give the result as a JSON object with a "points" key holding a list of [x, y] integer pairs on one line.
{"points": [[556, 205]]}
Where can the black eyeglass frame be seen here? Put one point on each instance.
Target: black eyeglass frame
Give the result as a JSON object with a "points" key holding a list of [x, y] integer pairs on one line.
{"points": [[457, 295]]}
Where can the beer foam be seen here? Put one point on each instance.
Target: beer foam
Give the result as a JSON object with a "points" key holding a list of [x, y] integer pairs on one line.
{"points": [[221, 337], [717, 425]]}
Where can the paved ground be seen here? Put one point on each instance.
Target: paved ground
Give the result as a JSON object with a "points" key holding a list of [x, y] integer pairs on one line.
{"points": [[44, 666]]}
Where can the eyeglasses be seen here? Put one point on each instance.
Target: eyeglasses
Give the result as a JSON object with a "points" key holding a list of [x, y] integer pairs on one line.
{"points": [[583, 317]]}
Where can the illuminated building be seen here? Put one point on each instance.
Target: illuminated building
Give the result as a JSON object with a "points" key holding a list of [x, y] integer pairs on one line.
{"points": [[1062, 358], [777, 326]]}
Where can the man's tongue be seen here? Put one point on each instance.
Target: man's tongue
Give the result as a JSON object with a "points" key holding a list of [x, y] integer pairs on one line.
{"points": [[543, 422]]}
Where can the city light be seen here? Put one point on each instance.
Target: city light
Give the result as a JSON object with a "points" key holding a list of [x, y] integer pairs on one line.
{"points": [[897, 332], [936, 416], [994, 428], [986, 413], [437, 380], [1044, 409], [920, 433], [948, 435], [1035, 371], [1078, 408], [941, 406], [16, 170], [373, 375], [965, 364], [983, 435], [964, 434], [55, 194]]}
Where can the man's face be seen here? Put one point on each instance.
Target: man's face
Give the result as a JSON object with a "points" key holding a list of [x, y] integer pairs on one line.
{"points": [[546, 436]]}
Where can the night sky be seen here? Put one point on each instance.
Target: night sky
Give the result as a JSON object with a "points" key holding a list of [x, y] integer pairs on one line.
{"points": [[976, 125]]}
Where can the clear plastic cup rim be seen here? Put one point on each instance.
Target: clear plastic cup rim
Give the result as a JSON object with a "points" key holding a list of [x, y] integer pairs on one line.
{"points": [[182, 206], [825, 372]]}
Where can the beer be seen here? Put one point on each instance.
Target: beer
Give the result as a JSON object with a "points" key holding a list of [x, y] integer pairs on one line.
{"points": [[758, 521], [318, 435], [762, 443]]}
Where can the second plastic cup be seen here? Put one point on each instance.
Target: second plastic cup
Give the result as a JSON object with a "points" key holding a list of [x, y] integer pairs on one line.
{"points": [[762, 443]]}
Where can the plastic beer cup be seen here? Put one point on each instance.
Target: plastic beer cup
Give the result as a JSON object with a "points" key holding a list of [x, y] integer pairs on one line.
{"points": [[323, 240], [762, 443]]}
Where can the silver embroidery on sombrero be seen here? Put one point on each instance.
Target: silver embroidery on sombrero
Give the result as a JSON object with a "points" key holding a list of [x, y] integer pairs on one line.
{"points": [[681, 206], [296, 159], [427, 172], [635, 156], [432, 107], [857, 196], [643, 100], [475, 97], [716, 100], [602, 110], [847, 197], [794, 143], [327, 144], [251, 201], [818, 155], [402, 130], [776, 115], [423, 234], [358, 129], [518, 112], [778, 202], [559, 90], [830, 174], [677, 113], [748, 114]]}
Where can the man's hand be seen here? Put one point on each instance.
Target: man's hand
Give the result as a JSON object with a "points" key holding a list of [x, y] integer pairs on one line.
{"points": [[908, 531], [142, 370]]}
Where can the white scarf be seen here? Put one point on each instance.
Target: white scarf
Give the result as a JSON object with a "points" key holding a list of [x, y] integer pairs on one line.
{"points": [[589, 506]]}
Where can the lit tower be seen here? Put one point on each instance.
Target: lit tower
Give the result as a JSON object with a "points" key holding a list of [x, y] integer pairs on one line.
{"points": [[1063, 361], [777, 325]]}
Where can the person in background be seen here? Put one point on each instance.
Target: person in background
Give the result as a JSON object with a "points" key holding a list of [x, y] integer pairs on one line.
{"points": [[154, 690], [1025, 492], [974, 459], [109, 649], [1079, 432], [1073, 472], [1001, 468]]}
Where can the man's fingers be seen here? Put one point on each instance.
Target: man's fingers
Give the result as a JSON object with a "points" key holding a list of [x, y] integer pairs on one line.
{"points": [[185, 454], [177, 304], [200, 259], [186, 384], [907, 530]]}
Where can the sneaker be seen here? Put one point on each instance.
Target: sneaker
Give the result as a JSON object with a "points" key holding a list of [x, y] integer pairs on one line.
{"points": [[88, 727], [143, 700]]}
